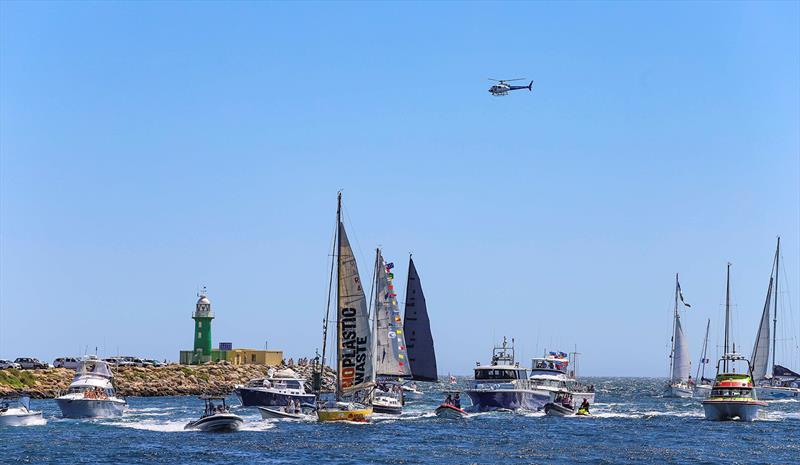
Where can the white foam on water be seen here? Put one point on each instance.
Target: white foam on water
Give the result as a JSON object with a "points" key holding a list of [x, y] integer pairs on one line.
{"points": [[257, 426], [153, 425]]}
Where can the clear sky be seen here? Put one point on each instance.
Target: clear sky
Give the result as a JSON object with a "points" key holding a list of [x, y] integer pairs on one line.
{"points": [[147, 149]]}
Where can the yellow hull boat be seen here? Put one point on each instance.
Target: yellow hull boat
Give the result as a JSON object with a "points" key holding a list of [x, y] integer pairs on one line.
{"points": [[343, 413]]}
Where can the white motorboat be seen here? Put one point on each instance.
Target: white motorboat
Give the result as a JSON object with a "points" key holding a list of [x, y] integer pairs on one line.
{"points": [[91, 393], [552, 376], [216, 417], [278, 389], [504, 384], [283, 413], [388, 401], [15, 411], [411, 389], [702, 390]]}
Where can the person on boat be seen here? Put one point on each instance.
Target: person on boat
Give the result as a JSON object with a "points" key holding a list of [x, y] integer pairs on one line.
{"points": [[448, 400], [566, 401], [691, 381], [457, 400], [585, 405]]}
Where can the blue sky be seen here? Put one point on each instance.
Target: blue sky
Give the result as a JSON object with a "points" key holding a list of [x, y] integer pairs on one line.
{"points": [[149, 149]]}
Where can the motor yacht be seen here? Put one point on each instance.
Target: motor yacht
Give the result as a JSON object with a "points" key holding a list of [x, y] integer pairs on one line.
{"points": [[551, 375], [216, 417], [503, 384], [277, 389], [91, 393]]}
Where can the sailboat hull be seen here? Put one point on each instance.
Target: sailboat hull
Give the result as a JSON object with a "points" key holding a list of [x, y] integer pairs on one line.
{"points": [[679, 391], [359, 415], [777, 392], [703, 391], [732, 410]]}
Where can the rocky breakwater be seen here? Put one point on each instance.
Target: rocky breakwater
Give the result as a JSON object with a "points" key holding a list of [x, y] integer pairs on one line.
{"points": [[170, 380]]}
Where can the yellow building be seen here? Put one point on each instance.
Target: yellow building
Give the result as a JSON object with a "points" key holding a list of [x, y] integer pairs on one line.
{"points": [[238, 356], [254, 357]]}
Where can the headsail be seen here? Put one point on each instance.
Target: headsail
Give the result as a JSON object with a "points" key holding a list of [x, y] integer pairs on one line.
{"points": [[392, 359], [417, 328], [760, 357], [680, 361], [355, 365]]}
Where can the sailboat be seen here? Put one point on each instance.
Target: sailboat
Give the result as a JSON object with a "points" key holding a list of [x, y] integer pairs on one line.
{"points": [[679, 354], [702, 388], [417, 329], [391, 358], [355, 373], [771, 386], [733, 396]]}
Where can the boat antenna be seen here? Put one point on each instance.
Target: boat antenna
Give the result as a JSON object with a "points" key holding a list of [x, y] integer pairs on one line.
{"points": [[727, 318], [318, 376], [775, 313]]}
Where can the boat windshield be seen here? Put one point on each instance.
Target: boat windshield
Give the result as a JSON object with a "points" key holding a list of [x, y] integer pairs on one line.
{"points": [[732, 392], [94, 367], [499, 373]]}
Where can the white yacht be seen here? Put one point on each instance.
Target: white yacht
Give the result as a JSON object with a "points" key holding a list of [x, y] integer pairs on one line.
{"points": [[504, 384], [277, 389], [91, 393], [15, 411], [549, 375]]}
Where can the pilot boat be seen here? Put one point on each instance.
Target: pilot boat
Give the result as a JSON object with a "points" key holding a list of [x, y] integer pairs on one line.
{"points": [[277, 389], [216, 417], [15, 411], [549, 375], [91, 393], [733, 396], [503, 384]]}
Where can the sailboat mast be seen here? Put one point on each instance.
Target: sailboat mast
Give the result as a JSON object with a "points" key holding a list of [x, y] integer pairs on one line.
{"points": [[775, 313], [318, 381], [702, 364], [338, 293], [672, 340], [727, 317], [375, 311]]}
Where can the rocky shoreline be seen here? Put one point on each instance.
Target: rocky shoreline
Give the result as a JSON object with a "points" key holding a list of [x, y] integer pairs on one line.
{"points": [[170, 380]]}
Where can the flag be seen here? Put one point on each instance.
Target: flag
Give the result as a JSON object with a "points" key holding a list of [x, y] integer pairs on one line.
{"points": [[680, 293], [389, 266]]}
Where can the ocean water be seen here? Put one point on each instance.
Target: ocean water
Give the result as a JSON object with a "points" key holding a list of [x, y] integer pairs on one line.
{"points": [[631, 423]]}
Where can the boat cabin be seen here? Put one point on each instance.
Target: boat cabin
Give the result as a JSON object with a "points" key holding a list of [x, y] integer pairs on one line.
{"points": [[503, 368]]}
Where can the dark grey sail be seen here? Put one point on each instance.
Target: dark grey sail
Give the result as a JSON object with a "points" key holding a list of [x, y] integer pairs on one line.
{"points": [[417, 328]]}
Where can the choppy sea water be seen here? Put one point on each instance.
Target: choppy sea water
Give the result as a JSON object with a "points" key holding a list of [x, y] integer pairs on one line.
{"points": [[631, 423]]}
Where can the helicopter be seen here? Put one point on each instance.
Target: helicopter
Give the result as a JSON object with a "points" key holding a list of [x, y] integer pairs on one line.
{"points": [[502, 87]]}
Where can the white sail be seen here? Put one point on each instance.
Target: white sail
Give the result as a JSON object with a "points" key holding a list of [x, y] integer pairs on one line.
{"points": [[355, 360], [391, 356], [760, 357], [680, 360]]}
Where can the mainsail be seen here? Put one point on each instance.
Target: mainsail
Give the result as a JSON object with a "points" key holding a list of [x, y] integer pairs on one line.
{"points": [[354, 353], [760, 357], [392, 359], [417, 328], [680, 361]]}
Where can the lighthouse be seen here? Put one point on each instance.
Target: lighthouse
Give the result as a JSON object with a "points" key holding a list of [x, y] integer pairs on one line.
{"points": [[202, 329]]}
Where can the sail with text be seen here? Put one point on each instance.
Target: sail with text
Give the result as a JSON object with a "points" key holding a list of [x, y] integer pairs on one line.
{"points": [[355, 367], [391, 356], [417, 329]]}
